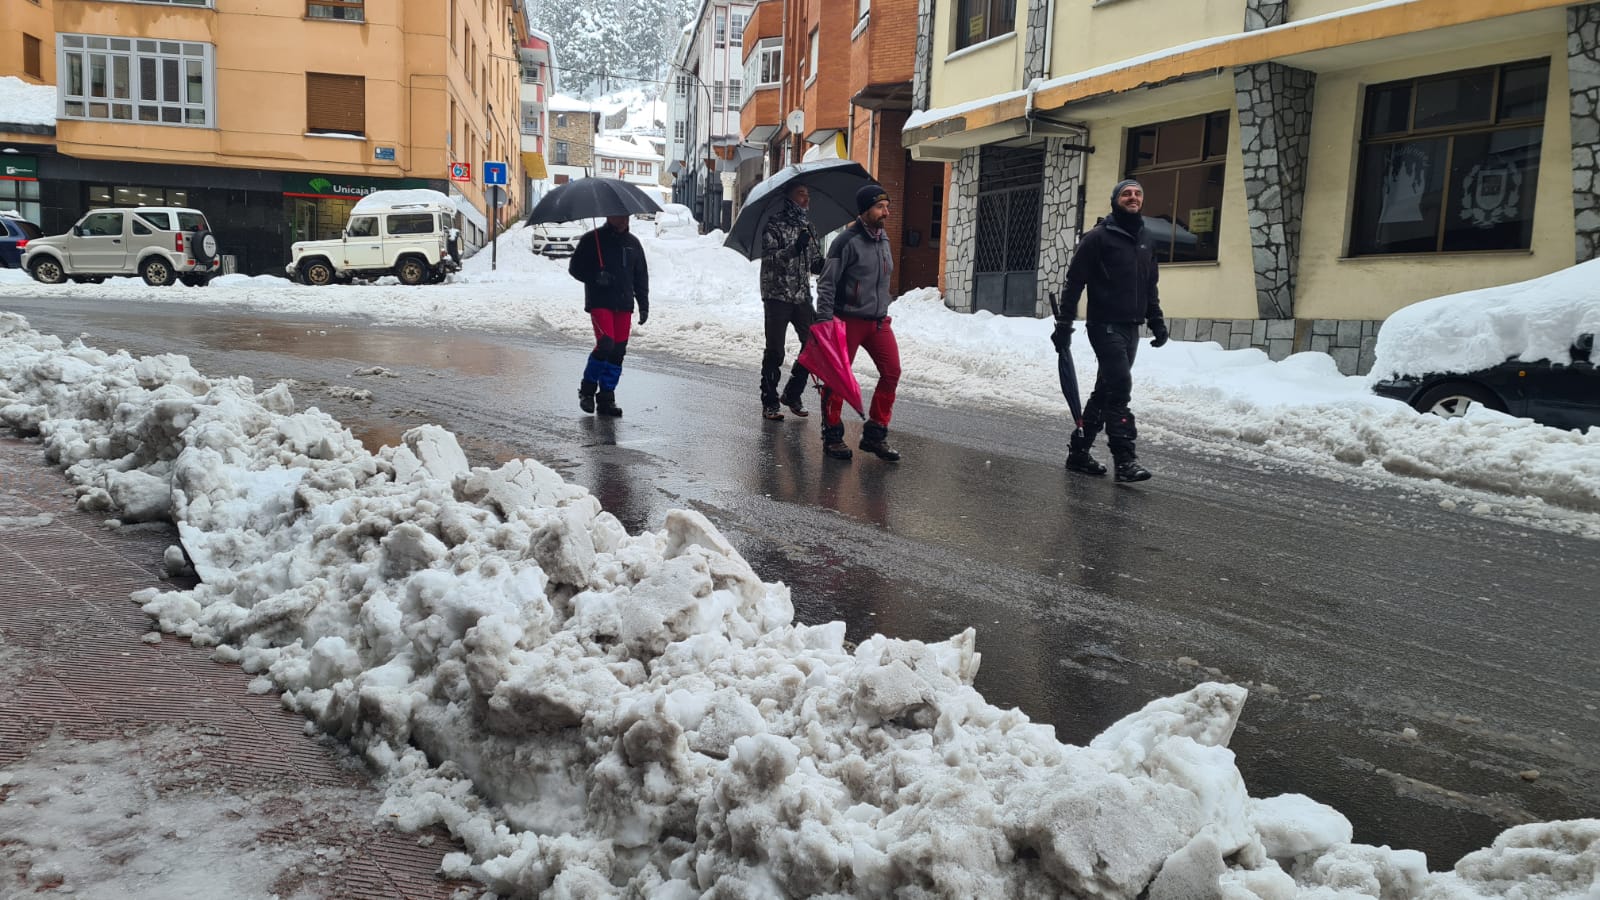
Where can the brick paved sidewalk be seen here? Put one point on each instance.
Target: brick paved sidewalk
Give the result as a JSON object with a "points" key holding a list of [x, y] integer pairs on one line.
{"points": [[75, 674]]}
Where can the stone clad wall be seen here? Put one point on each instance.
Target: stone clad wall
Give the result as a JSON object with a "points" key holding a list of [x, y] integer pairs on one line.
{"points": [[1275, 140], [922, 73], [1583, 73], [1033, 61], [1259, 14], [1058, 224], [961, 232]]}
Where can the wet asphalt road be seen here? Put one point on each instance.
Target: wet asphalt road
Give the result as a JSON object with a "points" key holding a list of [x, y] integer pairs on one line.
{"points": [[1354, 613]]}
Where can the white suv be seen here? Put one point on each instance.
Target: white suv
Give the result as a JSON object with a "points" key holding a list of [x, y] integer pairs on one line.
{"points": [[415, 242], [161, 244]]}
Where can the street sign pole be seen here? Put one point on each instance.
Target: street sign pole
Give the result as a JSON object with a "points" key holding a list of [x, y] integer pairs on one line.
{"points": [[494, 181], [494, 220]]}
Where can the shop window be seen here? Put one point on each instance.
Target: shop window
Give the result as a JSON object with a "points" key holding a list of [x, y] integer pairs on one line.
{"points": [[979, 20], [337, 10], [130, 195], [133, 80], [1450, 163], [22, 196], [336, 104], [1181, 166], [31, 65]]}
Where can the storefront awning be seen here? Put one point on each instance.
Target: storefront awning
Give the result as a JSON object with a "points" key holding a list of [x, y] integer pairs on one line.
{"points": [[533, 164]]}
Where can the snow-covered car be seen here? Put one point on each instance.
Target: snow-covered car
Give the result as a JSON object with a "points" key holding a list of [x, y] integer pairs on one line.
{"points": [[415, 240], [1525, 349], [675, 220], [555, 239], [161, 244]]}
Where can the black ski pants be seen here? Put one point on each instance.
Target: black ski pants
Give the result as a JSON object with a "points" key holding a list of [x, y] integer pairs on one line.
{"points": [[1115, 344], [780, 316]]}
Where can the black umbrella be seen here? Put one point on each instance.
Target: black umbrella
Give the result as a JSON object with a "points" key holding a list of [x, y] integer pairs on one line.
{"points": [[833, 184], [1068, 373], [592, 198]]}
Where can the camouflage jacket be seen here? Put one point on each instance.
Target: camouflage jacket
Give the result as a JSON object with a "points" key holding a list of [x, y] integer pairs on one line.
{"points": [[785, 271]]}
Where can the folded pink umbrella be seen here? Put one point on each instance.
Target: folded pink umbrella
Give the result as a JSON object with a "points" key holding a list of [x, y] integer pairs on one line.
{"points": [[825, 357]]}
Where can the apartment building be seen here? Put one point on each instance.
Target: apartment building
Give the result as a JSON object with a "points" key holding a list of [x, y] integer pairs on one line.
{"points": [[26, 30], [1310, 168], [274, 119], [574, 124], [630, 159], [538, 61], [707, 89]]}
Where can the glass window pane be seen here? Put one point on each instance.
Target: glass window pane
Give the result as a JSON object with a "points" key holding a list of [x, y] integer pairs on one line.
{"points": [[170, 47], [169, 81], [71, 40], [195, 115], [1399, 189], [119, 43], [97, 43], [1522, 92], [121, 82], [123, 111], [1388, 109], [193, 82], [1216, 135], [1455, 99], [148, 83], [149, 114], [1141, 148], [147, 46], [1196, 214], [1181, 141], [99, 195], [97, 74], [1492, 181], [75, 75], [27, 190], [1160, 199], [99, 111], [74, 108], [171, 114]]}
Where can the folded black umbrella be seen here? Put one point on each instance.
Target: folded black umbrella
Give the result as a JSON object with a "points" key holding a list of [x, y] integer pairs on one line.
{"points": [[592, 198], [1068, 373], [833, 184]]}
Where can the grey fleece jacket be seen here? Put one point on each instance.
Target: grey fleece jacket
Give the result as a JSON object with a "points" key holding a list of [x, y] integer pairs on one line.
{"points": [[855, 281]]}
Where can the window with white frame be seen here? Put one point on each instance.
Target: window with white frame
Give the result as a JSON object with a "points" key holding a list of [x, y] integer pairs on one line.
{"points": [[645, 168], [609, 165], [815, 52], [863, 7], [737, 33], [720, 31], [135, 80], [717, 102], [678, 130], [733, 94], [764, 65]]}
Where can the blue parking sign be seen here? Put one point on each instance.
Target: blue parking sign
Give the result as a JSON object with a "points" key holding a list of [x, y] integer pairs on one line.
{"points": [[494, 173]]}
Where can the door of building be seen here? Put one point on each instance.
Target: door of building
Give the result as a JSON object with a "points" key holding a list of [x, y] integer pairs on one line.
{"points": [[1006, 258]]}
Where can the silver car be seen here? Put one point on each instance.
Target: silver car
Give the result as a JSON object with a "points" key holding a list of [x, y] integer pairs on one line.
{"points": [[161, 244]]}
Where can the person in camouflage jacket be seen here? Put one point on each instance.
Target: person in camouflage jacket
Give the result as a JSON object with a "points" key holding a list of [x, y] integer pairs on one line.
{"points": [[791, 253]]}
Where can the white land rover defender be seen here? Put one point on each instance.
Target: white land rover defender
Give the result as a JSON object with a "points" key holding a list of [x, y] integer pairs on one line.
{"points": [[415, 241]]}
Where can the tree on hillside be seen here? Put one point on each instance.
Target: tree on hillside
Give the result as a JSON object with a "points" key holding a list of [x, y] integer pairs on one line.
{"points": [[603, 45]]}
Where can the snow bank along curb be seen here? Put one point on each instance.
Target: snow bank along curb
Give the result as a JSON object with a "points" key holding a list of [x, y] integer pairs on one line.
{"points": [[595, 713]]}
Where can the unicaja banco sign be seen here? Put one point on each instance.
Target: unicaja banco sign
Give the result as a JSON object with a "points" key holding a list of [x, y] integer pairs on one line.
{"points": [[338, 187]]}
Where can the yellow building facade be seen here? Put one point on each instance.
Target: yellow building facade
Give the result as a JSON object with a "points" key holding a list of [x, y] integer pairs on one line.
{"points": [[1309, 168], [274, 118]]}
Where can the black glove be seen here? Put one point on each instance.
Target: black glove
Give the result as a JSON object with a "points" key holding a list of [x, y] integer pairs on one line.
{"points": [[801, 240], [1158, 328], [644, 310], [1062, 337], [603, 279]]}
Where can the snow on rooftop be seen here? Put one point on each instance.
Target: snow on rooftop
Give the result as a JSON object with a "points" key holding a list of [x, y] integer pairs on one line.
{"points": [[384, 199], [564, 103], [623, 148], [23, 103], [598, 713]]}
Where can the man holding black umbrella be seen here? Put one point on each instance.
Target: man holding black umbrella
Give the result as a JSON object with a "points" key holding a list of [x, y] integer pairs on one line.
{"points": [[790, 255], [1117, 263], [610, 263]]}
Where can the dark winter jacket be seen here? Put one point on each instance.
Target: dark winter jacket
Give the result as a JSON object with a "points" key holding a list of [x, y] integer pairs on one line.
{"points": [[786, 271], [855, 281], [611, 265], [1120, 271]]}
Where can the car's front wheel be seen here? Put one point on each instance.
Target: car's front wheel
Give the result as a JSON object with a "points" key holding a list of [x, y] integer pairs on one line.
{"points": [[157, 272], [317, 273], [47, 270], [1456, 398]]}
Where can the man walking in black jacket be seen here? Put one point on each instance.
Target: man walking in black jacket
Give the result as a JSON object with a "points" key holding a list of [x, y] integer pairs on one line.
{"points": [[1117, 263], [790, 255], [610, 263]]}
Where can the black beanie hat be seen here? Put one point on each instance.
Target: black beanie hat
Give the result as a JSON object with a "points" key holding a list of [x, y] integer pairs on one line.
{"points": [[1120, 185], [868, 196]]}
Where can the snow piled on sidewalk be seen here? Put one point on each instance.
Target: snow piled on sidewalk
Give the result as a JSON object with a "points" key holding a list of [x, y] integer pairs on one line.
{"points": [[595, 713]]}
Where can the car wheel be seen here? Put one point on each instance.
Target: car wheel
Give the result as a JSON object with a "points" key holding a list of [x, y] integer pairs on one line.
{"points": [[157, 272], [47, 270], [1455, 398], [317, 273], [411, 271]]}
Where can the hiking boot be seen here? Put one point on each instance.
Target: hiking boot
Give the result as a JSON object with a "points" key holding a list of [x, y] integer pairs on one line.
{"points": [[606, 404], [874, 440], [586, 391], [771, 411], [833, 442], [796, 402], [1130, 470], [1081, 461]]}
